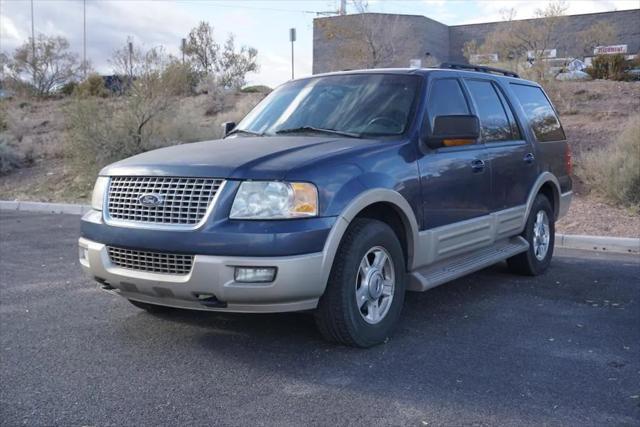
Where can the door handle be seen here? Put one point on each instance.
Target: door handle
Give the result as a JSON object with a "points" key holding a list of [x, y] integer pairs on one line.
{"points": [[529, 158], [477, 165]]}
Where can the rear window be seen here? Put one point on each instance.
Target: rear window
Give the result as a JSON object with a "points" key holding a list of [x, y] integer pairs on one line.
{"points": [[494, 123], [539, 112]]}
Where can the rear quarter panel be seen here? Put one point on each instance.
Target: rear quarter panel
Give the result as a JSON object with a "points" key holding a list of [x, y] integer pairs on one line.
{"points": [[550, 156]]}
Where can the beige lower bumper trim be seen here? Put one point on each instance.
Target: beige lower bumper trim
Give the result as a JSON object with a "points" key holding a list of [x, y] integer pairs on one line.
{"points": [[298, 284]]}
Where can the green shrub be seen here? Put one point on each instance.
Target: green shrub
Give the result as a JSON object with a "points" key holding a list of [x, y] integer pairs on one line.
{"points": [[92, 86], [9, 157], [99, 133], [180, 79], [68, 88], [256, 89], [614, 171], [610, 67]]}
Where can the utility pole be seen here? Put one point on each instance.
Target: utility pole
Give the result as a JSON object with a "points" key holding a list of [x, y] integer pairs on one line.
{"points": [[292, 38], [343, 7], [184, 47], [131, 60], [84, 38], [33, 45]]}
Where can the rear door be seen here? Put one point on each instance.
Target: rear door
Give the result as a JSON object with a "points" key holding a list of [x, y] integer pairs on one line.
{"points": [[455, 181], [513, 166], [545, 128]]}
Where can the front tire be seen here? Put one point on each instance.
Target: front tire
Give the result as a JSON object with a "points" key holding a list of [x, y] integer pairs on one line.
{"points": [[540, 233], [365, 292]]}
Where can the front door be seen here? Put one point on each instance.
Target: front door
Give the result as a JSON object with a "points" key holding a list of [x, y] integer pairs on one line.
{"points": [[455, 181]]}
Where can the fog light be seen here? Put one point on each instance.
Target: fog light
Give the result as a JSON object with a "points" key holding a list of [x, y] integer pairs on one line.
{"points": [[84, 253], [255, 274]]}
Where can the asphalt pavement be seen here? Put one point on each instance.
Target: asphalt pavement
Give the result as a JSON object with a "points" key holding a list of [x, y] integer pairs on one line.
{"points": [[487, 349]]}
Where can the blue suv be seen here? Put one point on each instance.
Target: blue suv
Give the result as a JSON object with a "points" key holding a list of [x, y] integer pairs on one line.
{"points": [[336, 194]]}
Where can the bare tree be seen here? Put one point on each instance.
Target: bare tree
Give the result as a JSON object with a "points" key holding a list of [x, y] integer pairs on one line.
{"points": [[149, 92], [202, 48], [51, 66], [227, 65], [233, 65], [599, 34], [378, 34], [527, 40], [365, 40]]}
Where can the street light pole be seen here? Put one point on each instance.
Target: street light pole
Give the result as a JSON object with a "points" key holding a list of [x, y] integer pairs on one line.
{"points": [[33, 45], [292, 38], [84, 38]]}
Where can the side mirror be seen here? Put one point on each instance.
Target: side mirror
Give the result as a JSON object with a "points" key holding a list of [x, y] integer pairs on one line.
{"points": [[452, 131], [228, 127]]}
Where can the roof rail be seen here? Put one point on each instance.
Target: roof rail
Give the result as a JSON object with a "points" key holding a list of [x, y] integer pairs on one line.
{"points": [[479, 68]]}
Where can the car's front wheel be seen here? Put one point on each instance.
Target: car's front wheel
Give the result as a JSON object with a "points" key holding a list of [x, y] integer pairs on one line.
{"points": [[366, 287]]}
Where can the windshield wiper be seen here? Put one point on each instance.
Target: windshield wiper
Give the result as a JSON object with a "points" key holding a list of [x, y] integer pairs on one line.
{"points": [[303, 129], [247, 132]]}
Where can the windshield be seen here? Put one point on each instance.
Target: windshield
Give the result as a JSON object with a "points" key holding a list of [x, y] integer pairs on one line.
{"points": [[352, 105]]}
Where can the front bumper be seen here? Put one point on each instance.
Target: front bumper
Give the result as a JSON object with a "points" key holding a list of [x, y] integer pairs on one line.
{"points": [[298, 284]]}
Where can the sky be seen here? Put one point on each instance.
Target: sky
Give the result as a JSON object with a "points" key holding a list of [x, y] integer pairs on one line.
{"points": [[263, 24]]}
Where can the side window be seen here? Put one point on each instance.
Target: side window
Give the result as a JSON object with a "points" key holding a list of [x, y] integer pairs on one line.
{"points": [[494, 124], [539, 112], [515, 129], [446, 99]]}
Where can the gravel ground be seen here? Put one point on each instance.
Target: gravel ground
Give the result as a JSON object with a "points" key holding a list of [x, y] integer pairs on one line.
{"points": [[488, 349], [592, 217]]}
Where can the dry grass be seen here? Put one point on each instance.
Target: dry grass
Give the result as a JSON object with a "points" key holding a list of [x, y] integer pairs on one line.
{"points": [[67, 150], [613, 171], [593, 115]]}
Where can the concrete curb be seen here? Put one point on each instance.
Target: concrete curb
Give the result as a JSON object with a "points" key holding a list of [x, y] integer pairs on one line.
{"points": [[59, 208], [627, 245], [590, 243]]}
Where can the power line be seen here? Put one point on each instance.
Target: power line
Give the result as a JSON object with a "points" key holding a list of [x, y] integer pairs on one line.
{"points": [[273, 9]]}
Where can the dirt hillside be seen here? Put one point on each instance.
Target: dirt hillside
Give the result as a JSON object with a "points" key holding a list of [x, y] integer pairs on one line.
{"points": [[592, 114]]}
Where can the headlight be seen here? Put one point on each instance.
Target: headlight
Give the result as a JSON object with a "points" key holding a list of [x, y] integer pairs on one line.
{"points": [[97, 198], [275, 200]]}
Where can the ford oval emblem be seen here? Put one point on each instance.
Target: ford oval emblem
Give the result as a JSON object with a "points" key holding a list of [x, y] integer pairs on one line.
{"points": [[151, 200]]}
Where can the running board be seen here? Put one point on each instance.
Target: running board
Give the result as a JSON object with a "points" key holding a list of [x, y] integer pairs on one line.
{"points": [[458, 266]]}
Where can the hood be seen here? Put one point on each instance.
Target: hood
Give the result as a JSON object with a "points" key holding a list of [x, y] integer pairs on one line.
{"points": [[236, 158]]}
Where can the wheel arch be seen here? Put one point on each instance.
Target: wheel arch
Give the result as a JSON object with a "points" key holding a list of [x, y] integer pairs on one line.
{"points": [[546, 184], [374, 204]]}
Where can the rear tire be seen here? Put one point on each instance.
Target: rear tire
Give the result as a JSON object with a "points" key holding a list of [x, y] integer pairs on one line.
{"points": [[539, 231], [151, 308], [365, 292]]}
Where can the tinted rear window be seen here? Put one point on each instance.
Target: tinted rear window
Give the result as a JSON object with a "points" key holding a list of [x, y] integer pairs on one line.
{"points": [[494, 123], [540, 113]]}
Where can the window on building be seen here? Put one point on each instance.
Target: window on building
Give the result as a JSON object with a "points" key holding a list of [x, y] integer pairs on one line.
{"points": [[539, 112], [494, 124], [446, 99]]}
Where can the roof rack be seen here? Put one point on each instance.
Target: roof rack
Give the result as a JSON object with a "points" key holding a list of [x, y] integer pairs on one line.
{"points": [[478, 68]]}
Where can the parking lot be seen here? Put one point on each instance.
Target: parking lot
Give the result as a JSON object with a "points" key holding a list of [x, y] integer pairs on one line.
{"points": [[488, 349]]}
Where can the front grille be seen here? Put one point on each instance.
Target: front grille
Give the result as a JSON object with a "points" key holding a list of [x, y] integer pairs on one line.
{"points": [[155, 262], [180, 201]]}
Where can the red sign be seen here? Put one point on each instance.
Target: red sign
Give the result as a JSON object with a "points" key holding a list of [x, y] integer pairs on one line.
{"points": [[610, 50]]}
